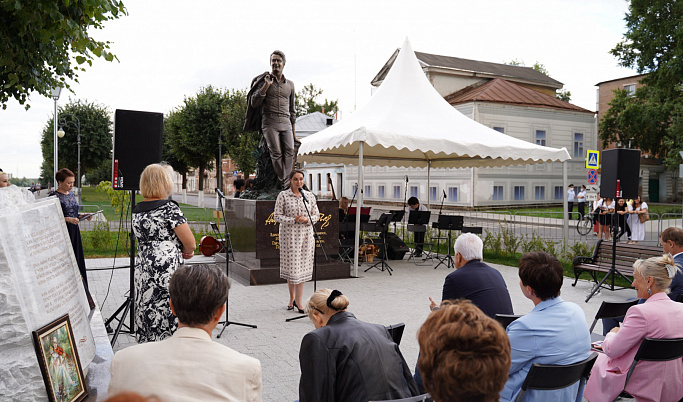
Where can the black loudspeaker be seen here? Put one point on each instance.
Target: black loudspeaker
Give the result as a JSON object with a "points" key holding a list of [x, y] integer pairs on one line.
{"points": [[138, 139], [396, 248], [623, 165]]}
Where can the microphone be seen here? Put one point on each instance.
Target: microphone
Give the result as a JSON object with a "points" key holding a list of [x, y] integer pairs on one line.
{"points": [[406, 178], [444, 194], [303, 195], [219, 192]]}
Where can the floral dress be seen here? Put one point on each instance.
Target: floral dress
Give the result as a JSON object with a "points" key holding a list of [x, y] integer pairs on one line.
{"points": [[297, 245], [159, 255]]}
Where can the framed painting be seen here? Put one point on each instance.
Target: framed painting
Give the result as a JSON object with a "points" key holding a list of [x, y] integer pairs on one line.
{"points": [[59, 363]]}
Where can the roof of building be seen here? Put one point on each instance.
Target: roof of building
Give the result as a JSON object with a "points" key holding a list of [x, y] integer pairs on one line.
{"points": [[622, 78], [313, 122], [502, 91], [527, 74]]}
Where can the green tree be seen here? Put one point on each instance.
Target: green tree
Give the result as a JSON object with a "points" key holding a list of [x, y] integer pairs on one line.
{"points": [[561, 94], [239, 145], [171, 154], [306, 102], [96, 140], [199, 123], [46, 42], [652, 44]]}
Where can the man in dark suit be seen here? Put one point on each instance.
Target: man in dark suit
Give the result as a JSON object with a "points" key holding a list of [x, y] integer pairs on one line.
{"points": [[672, 243], [473, 280]]}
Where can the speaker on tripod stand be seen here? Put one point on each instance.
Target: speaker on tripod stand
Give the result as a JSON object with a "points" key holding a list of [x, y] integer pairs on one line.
{"points": [[137, 143]]}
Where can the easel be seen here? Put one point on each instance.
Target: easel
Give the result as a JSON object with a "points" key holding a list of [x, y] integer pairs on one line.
{"points": [[449, 223]]}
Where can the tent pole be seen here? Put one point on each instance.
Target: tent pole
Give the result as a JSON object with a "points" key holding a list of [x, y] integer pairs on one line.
{"points": [[429, 170], [358, 208], [565, 228]]}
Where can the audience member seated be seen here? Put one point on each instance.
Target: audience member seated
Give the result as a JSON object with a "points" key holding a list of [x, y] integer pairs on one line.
{"points": [[345, 359], [672, 242], [473, 280], [464, 355], [657, 317], [189, 366], [554, 332]]}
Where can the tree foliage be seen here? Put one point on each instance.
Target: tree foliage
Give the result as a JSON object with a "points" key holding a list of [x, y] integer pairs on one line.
{"points": [[306, 102], [238, 144], [46, 42], [170, 152], [96, 141], [653, 44]]}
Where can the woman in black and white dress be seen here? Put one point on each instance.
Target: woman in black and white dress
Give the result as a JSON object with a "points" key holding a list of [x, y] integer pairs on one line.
{"points": [[164, 241], [297, 245]]}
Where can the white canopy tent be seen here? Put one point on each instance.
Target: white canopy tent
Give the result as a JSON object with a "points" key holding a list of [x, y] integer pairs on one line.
{"points": [[408, 124]]}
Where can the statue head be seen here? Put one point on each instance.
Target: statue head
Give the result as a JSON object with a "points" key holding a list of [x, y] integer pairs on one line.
{"points": [[277, 62]]}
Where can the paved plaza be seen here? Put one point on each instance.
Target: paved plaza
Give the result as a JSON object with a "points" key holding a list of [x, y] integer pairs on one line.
{"points": [[376, 297]]}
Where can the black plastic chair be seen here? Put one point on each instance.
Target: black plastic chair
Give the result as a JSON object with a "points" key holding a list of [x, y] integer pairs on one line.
{"points": [[506, 319], [656, 350], [551, 376], [396, 332], [419, 398], [611, 310]]}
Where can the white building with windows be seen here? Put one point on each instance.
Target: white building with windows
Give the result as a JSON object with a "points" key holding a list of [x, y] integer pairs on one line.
{"points": [[517, 101]]}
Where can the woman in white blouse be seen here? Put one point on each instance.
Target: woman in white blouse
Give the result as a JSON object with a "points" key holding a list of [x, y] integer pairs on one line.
{"points": [[636, 209]]}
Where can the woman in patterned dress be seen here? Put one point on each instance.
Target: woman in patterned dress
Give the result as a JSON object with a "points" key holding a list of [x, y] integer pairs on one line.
{"points": [[164, 240], [65, 182], [297, 244]]}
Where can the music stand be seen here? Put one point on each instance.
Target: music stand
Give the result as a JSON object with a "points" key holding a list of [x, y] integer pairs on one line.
{"points": [[382, 225], [398, 217], [228, 250], [417, 221], [449, 223]]}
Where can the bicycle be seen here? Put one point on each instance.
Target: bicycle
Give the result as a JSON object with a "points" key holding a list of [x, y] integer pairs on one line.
{"points": [[585, 225]]}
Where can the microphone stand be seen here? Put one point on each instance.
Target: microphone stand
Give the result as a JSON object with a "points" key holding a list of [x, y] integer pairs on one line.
{"points": [[439, 238], [318, 242], [405, 202], [227, 246]]}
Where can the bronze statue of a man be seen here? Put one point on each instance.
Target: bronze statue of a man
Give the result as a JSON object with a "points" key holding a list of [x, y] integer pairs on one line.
{"points": [[270, 109]]}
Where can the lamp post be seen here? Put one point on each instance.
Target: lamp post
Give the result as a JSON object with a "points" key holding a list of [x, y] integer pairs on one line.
{"points": [[55, 95], [61, 133]]}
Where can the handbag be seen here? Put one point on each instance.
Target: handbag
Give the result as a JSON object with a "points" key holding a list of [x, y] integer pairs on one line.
{"points": [[644, 217]]}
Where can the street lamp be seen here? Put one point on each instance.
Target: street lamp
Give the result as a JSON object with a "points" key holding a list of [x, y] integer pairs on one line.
{"points": [[61, 133], [55, 95]]}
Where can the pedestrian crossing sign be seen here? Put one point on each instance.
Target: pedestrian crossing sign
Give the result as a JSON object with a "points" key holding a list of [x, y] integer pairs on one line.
{"points": [[592, 159]]}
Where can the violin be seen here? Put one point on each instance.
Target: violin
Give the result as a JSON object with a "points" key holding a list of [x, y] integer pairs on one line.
{"points": [[209, 246]]}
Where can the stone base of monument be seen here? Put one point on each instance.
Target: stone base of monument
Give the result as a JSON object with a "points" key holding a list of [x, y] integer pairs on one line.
{"points": [[255, 241]]}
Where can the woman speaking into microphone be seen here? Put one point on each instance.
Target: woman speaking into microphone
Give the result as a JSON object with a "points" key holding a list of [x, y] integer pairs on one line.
{"points": [[297, 245]]}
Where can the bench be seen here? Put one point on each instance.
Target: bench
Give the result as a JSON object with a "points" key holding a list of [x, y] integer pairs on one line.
{"points": [[601, 261]]}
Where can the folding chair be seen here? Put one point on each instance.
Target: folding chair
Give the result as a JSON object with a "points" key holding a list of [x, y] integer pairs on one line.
{"points": [[551, 376], [610, 310], [656, 350], [396, 332], [346, 250], [506, 319], [419, 398]]}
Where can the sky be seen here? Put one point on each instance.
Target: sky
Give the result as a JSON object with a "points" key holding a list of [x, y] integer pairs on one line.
{"points": [[168, 50]]}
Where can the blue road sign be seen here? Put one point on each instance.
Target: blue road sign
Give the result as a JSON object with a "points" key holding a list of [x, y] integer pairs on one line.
{"points": [[592, 159], [592, 176]]}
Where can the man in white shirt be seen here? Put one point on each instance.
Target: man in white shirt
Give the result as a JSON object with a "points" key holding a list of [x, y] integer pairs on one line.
{"points": [[581, 198], [570, 200], [189, 366]]}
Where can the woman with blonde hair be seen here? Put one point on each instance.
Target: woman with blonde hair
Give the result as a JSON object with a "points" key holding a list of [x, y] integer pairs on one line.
{"points": [[4, 180], [345, 359], [164, 241], [658, 317]]}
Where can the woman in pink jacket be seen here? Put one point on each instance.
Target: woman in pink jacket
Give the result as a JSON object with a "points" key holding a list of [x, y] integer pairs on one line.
{"points": [[658, 317]]}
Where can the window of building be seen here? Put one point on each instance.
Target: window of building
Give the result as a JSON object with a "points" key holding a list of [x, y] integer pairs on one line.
{"points": [[397, 192], [558, 193], [452, 194], [380, 191], [320, 182], [368, 192], [497, 193], [500, 129], [630, 89], [540, 137], [413, 191], [518, 192], [310, 182], [539, 193], [432, 193], [578, 145], [355, 189]]}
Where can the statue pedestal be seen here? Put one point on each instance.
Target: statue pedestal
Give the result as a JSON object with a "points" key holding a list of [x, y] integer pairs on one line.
{"points": [[255, 241]]}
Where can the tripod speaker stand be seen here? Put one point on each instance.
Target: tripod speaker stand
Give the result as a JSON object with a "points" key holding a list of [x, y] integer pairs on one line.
{"points": [[227, 246], [128, 305], [449, 223]]}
